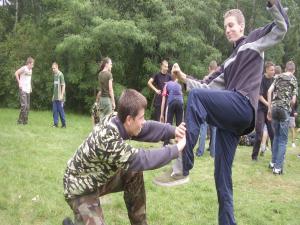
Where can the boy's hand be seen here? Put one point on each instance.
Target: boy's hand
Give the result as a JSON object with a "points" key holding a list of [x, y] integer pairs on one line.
{"points": [[269, 115], [181, 143], [180, 131]]}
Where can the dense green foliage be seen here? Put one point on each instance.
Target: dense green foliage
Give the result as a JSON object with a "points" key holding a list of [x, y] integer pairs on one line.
{"points": [[135, 34]]}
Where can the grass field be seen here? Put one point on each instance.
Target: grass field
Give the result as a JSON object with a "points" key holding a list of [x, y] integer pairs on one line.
{"points": [[33, 159]]}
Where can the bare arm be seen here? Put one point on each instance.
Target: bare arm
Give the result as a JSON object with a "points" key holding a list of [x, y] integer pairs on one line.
{"points": [[17, 74], [270, 91], [293, 101], [263, 100], [162, 116], [62, 92], [216, 83], [111, 93], [150, 84]]}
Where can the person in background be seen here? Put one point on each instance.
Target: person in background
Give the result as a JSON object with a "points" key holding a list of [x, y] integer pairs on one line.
{"points": [[213, 67], [173, 98], [285, 91], [58, 98], [262, 109], [107, 97], [23, 77], [157, 83]]}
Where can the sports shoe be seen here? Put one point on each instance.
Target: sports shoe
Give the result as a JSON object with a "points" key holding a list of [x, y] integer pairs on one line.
{"points": [[271, 165], [67, 221], [298, 156], [293, 145], [64, 126], [262, 152], [169, 179], [54, 125], [277, 171]]}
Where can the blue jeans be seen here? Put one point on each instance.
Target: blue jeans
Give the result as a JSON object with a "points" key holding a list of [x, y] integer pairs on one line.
{"points": [[212, 140], [232, 114], [280, 121], [58, 109]]}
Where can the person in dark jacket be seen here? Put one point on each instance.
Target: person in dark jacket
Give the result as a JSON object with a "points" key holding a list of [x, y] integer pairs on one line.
{"points": [[229, 99]]}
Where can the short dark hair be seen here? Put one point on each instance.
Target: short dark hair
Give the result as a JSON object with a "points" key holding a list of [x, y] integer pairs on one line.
{"points": [[130, 103]]}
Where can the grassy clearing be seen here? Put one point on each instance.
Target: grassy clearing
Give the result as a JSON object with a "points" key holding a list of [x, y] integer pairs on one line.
{"points": [[33, 159]]}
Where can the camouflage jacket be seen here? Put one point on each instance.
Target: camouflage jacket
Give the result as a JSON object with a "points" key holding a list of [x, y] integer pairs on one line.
{"points": [[285, 86], [104, 153], [95, 112]]}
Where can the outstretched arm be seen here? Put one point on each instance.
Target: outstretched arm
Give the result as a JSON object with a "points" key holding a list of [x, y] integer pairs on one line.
{"points": [[216, 80], [274, 32]]}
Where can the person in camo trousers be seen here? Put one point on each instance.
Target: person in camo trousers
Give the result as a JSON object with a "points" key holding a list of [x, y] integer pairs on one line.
{"points": [[23, 77], [105, 163]]}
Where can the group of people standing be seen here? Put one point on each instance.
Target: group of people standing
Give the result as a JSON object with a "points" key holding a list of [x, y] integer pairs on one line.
{"points": [[226, 99], [23, 77], [276, 111]]}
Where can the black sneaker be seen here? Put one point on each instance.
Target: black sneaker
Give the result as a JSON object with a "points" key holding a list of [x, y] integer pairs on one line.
{"points": [[64, 126], [54, 125], [67, 221]]}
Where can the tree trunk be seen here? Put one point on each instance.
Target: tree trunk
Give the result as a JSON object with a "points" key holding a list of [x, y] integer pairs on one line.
{"points": [[16, 15]]}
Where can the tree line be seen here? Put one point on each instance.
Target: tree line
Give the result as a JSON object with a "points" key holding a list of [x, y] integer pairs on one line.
{"points": [[136, 34]]}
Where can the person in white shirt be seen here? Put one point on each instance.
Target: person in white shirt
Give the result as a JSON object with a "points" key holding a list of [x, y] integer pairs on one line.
{"points": [[23, 77]]}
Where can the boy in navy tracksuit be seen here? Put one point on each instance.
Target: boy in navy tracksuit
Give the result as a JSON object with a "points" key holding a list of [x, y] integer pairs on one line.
{"points": [[229, 100]]}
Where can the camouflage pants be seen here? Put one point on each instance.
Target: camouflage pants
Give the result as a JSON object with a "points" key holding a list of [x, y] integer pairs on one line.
{"points": [[25, 105], [87, 209]]}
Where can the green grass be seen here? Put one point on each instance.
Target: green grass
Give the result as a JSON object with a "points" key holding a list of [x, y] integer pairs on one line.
{"points": [[33, 159]]}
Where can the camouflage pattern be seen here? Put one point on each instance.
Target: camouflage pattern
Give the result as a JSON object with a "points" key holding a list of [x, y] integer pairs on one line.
{"points": [[285, 86], [95, 111], [247, 140], [25, 105], [97, 160], [87, 208]]}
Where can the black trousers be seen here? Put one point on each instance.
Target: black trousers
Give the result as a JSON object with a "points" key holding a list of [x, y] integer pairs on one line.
{"points": [[261, 120]]}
